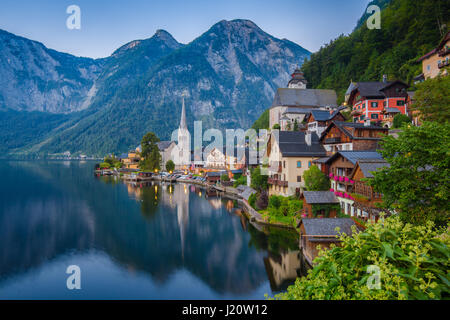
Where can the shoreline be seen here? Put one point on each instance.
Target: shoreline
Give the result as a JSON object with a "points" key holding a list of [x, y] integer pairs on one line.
{"points": [[251, 214]]}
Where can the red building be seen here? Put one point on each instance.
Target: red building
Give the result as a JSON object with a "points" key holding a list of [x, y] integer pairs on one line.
{"points": [[372, 100]]}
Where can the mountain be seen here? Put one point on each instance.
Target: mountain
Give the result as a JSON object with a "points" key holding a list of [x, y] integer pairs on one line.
{"points": [[230, 74], [34, 78], [409, 29]]}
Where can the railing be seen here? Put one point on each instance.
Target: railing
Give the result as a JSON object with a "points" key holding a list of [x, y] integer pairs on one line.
{"points": [[276, 182], [333, 140], [443, 64]]}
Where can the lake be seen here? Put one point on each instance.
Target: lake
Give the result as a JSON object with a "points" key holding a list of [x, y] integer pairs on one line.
{"points": [[153, 241]]}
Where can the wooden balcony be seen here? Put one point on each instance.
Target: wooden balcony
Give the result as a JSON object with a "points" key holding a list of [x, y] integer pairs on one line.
{"points": [[276, 182], [332, 140]]}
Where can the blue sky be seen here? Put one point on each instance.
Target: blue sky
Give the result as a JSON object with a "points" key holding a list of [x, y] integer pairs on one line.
{"points": [[106, 25]]}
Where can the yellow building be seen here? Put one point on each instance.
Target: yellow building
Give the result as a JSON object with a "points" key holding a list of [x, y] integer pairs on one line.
{"points": [[290, 154], [435, 61], [133, 159]]}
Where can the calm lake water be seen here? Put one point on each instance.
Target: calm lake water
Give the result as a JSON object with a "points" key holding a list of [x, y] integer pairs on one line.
{"points": [[158, 241]]}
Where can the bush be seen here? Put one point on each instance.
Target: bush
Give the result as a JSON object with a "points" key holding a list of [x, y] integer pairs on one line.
{"points": [[400, 120], [105, 165], [242, 180], [275, 201], [252, 200], [224, 178], [413, 263]]}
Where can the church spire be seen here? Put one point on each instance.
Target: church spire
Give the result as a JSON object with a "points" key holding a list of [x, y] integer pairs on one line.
{"points": [[183, 114]]}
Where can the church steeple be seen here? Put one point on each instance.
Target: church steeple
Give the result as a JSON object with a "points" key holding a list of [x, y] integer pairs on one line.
{"points": [[183, 114]]}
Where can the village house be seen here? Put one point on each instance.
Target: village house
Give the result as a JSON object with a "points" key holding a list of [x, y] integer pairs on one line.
{"points": [[320, 204], [370, 99], [323, 233], [165, 150], [435, 61], [318, 120], [290, 154], [365, 198], [350, 136], [133, 159], [292, 104], [340, 167]]}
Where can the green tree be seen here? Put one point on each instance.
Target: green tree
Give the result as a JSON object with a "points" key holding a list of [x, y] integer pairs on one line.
{"points": [[225, 178], [316, 180], [150, 152], [295, 125], [417, 183], [412, 260], [259, 181], [276, 126], [400, 120], [262, 122], [170, 166], [432, 99]]}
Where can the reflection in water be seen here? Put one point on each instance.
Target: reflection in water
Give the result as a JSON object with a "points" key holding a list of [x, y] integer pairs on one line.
{"points": [[51, 211]]}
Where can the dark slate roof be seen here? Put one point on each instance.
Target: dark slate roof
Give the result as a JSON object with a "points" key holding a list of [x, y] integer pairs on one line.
{"points": [[358, 125], [304, 97], [312, 197], [325, 115], [327, 226], [322, 160], [369, 166], [355, 156], [163, 145], [298, 110], [215, 173], [373, 89], [293, 144]]}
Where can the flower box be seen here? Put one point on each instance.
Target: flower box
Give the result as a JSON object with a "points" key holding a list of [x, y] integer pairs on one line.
{"points": [[346, 179], [332, 190]]}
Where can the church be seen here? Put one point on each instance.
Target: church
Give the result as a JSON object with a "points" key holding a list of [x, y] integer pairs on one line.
{"points": [[292, 104]]}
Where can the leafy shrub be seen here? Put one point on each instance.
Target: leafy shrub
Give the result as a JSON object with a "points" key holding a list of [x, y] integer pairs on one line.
{"points": [[400, 120], [275, 201], [413, 260], [252, 200], [225, 178], [240, 181]]}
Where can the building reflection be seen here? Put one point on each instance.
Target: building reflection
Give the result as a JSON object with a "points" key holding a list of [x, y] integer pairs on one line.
{"points": [[282, 269]]}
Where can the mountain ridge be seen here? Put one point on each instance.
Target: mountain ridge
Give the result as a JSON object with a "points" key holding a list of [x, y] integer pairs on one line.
{"points": [[231, 72]]}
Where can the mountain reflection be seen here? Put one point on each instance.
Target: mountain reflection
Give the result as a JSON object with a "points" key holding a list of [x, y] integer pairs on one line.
{"points": [[51, 209]]}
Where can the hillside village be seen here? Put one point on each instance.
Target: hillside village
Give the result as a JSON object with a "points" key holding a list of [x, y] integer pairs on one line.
{"points": [[308, 130]]}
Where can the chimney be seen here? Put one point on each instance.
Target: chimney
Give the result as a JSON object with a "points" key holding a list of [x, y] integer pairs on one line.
{"points": [[367, 123], [384, 78], [308, 138]]}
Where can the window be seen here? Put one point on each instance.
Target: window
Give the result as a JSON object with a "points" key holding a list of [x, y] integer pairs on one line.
{"points": [[428, 67], [361, 118], [374, 104], [284, 164], [384, 103], [374, 116], [400, 103], [299, 178], [299, 164], [309, 164]]}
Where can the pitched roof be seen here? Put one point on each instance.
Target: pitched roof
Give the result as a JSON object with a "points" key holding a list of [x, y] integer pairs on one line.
{"points": [[325, 115], [305, 97], [355, 156], [163, 145], [327, 226], [312, 197], [343, 125], [369, 166], [293, 144], [373, 89]]}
